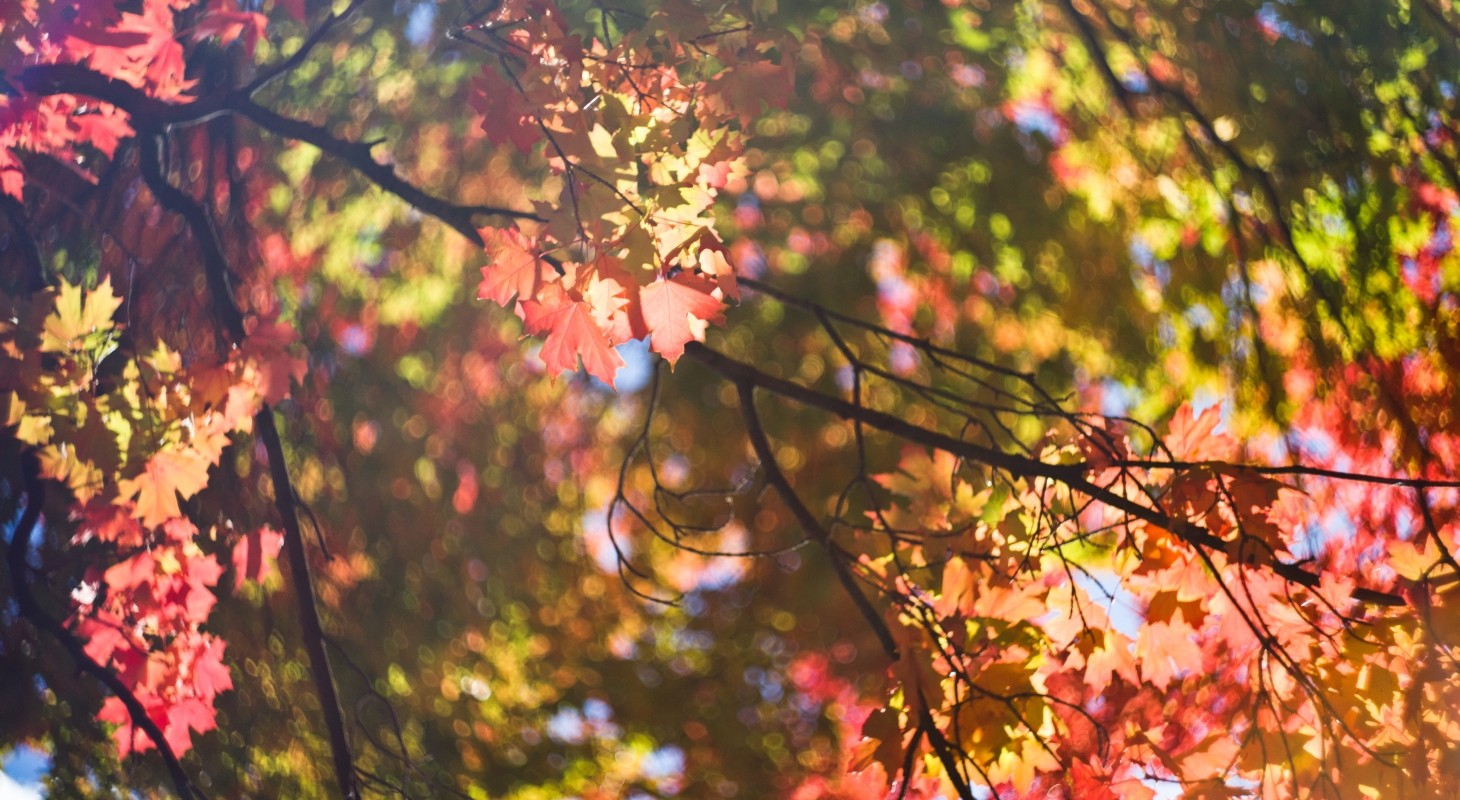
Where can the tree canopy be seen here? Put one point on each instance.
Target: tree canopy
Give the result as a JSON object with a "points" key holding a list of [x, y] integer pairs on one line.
{"points": [[568, 398]]}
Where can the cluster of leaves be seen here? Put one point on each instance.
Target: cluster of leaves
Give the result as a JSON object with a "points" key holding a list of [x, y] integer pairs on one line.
{"points": [[131, 438], [1278, 683], [143, 49], [1055, 640], [642, 127]]}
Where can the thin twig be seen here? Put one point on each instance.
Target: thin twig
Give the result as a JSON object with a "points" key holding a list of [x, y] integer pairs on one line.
{"points": [[808, 520]]}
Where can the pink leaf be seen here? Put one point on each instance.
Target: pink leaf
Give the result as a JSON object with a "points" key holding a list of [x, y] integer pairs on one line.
{"points": [[672, 307], [253, 556]]}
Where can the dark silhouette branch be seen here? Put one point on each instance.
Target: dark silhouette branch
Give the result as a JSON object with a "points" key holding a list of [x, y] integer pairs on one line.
{"points": [[44, 80], [1293, 470], [205, 234], [808, 521], [358, 155], [1072, 476], [151, 116], [299, 575], [944, 749], [274, 72]]}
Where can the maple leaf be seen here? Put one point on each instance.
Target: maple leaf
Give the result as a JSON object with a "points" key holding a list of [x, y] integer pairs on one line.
{"points": [[609, 302], [110, 523], [265, 361], [714, 260], [1191, 436], [191, 714], [1166, 650], [210, 674], [137, 48], [12, 178], [168, 474], [744, 87], [1410, 562], [515, 271], [506, 114], [180, 530], [202, 574], [104, 636], [1091, 783], [128, 738], [615, 307], [672, 308], [881, 743], [253, 556], [131, 573], [79, 314], [1110, 659], [572, 332]]}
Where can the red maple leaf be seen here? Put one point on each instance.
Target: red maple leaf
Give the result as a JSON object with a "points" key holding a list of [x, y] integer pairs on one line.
{"points": [[210, 674], [1090, 782], [506, 114], [133, 572], [742, 88], [230, 25], [105, 636], [572, 332], [673, 307], [189, 713], [266, 362]]}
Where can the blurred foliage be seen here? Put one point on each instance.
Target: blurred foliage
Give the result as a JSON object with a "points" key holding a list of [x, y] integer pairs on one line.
{"points": [[1104, 195]]}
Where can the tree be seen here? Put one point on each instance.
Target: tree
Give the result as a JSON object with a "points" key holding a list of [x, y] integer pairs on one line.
{"points": [[1059, 398]]}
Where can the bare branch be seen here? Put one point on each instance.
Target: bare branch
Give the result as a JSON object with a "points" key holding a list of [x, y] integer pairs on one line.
{"points": [[358, 156], [808, 520], [276, 71]]}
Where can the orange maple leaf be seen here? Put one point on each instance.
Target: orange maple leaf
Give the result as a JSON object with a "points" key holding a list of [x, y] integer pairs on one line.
{"points": [[168, 474], [515, 270], [1193, 437]]}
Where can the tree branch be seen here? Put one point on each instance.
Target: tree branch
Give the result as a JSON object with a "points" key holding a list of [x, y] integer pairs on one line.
{"points": [[1294, 470], [358, 156], [152, 116], [215, 263], [1071, 476], [314, 636], [284, 67], [808, 520], [45, 80]]}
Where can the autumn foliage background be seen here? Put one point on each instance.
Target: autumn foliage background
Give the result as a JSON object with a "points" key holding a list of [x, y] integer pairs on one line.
{"points": [[571, 399]]}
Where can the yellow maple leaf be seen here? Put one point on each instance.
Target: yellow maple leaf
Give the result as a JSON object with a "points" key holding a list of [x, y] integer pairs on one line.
{"points": [[78, 314]]}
